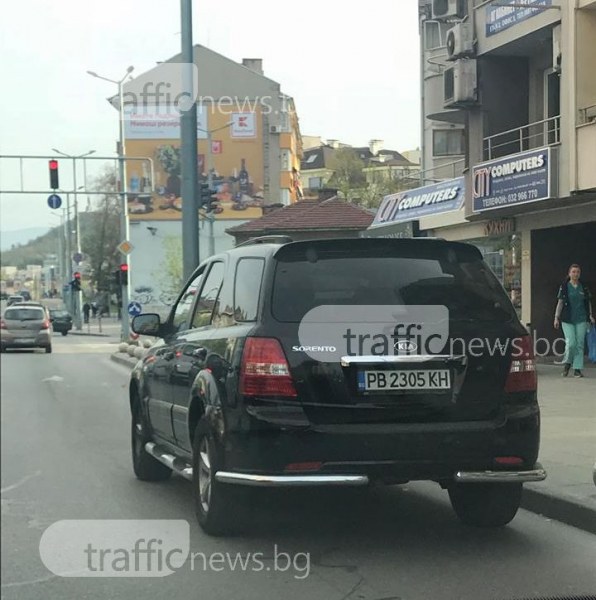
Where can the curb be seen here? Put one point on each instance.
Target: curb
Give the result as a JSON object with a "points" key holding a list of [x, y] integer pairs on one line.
{"points": [[83, 334], [126, 361], [560, 508]]}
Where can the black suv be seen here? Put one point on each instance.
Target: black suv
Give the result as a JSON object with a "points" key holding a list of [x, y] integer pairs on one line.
{"points": [[230, 396]]}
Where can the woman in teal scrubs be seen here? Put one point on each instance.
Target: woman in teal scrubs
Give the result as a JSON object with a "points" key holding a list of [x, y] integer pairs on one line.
{"points": [[573, 312]]}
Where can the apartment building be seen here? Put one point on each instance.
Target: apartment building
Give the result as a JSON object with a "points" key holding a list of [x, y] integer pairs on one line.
{"points": [[509, 141]]}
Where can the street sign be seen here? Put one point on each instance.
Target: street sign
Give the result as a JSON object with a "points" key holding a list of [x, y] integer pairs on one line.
{"points": [[125, 247], [77, 257], [134, 308], [54, 201]]}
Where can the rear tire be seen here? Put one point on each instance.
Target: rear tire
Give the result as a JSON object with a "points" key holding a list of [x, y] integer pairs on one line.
{"points": [[216, 504], [145, 466], [65, 333], [485, 504], [48, 349]]}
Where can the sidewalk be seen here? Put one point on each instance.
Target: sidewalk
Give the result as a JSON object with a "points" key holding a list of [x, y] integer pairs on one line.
{"points": [[567, 447], [110, 327]]}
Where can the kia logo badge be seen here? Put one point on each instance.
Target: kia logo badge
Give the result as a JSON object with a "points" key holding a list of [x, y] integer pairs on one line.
{"points": [[405, 346]]}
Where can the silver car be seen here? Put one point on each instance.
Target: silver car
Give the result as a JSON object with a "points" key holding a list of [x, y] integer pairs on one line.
{"points": [[25, 326]]}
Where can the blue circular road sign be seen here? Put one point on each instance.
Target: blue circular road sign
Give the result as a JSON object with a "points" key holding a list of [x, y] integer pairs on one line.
{"points": [[134, 309], [54, 201]]}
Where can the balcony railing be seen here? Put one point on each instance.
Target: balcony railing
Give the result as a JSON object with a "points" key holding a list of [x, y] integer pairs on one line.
{"points": [[533, 135], [587, 114], [438, 173]]}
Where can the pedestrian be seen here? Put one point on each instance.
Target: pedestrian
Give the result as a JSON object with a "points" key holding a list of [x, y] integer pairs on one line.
{"points": [[94, 309], [573, 312], [86, 309]]}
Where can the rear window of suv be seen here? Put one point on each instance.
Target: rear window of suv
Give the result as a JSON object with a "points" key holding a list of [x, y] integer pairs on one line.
{"points": [[454, 276], [24, 314]]}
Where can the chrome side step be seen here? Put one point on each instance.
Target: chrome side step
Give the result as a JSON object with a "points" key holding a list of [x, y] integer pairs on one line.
{"points": [[169, 460]]}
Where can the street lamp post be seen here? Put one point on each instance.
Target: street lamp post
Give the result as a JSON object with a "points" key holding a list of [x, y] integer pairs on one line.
{"points": [[124, 224], [78, 296]]}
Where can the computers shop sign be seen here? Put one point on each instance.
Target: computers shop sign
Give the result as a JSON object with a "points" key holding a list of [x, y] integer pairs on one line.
{"points": [[513, 180]]}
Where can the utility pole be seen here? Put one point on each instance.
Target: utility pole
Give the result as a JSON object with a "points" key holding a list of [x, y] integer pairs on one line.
{"points": [[188, 145], [124, 224]]}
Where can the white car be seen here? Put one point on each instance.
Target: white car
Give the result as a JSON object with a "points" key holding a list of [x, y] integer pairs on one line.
{"points": [[25, 326]]}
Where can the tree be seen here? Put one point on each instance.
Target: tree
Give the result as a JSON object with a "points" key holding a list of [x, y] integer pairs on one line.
{"points": [[170, 275], [100, 231], [348, 174], [372, 194]]}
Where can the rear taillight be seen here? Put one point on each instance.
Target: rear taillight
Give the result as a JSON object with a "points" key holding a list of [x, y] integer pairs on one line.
{"points": [[265, 370], [3, 324], [522, 373], [45, 324]]}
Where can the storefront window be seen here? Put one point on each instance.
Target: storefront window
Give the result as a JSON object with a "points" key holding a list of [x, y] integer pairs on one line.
{"points": [[503, 256]]}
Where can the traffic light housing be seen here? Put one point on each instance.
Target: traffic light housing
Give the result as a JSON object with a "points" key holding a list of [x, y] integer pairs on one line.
{"points": [[75, 284], [53, 164], [206, 200], [123, 274]]}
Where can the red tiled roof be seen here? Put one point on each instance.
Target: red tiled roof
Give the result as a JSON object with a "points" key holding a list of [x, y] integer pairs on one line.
{"points": [[310, 214]]}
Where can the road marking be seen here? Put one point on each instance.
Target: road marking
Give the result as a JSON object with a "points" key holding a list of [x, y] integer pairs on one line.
{"points": [[53, 378], [19, 483]]}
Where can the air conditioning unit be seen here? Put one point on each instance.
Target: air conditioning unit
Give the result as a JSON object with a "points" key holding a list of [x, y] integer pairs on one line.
{"points": [[273, 129], [460, 41], [460, 84], [442, 10]]}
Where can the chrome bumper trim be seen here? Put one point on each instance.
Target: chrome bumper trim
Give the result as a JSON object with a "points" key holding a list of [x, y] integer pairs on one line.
{"points": [[289, 480], [536, 474]]}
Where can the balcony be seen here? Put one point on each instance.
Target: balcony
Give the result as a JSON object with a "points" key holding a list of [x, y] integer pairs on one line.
{"points": [[527, 137], [586, 148]]}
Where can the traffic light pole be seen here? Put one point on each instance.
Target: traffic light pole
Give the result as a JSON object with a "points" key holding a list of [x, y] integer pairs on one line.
{"points": [[78, 294], [124, 226]]}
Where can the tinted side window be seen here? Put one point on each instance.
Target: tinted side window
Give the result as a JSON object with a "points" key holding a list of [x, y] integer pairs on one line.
{"points": [[247, 287], [207, 303], [182, 312]]}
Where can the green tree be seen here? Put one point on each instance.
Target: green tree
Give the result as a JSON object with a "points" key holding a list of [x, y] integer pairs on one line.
{"points": [[100, 231], [170, 275], [348, 175]]}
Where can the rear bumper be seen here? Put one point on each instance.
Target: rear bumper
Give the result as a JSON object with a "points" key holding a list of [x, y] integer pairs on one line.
{"points": [[258, 480], [445, 452], [10, 340], [290, 480]]}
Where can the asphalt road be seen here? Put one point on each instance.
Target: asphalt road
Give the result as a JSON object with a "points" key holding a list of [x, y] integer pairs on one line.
{"points": [[65, 455]]}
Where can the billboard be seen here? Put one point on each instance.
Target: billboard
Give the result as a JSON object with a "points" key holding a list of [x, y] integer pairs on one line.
{"points": [[507, 13], [516, 179], [432, 199], [231, 142]]}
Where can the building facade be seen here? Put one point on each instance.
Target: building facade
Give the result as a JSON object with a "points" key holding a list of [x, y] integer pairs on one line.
{"points": [[509, 141], [249, 150]]}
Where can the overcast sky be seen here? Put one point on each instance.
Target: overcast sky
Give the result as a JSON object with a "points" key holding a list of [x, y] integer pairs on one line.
{"points": [[352, 70]]}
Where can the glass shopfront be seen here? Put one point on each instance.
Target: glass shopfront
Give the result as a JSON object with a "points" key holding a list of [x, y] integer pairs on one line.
{"points": [[503, 255]]}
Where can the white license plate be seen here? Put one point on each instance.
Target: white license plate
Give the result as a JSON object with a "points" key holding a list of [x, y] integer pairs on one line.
{"points": [[407, 379]]}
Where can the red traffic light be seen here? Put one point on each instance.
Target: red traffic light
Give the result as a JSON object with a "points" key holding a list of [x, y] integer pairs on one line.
{"points": [[54, 174], [124, 267]]}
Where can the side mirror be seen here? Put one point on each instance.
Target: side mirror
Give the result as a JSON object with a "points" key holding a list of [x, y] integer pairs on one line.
{"points": [[147, 324]]}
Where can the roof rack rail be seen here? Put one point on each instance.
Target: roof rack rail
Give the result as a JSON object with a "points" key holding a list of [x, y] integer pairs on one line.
{"points": [[267, 239]]}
